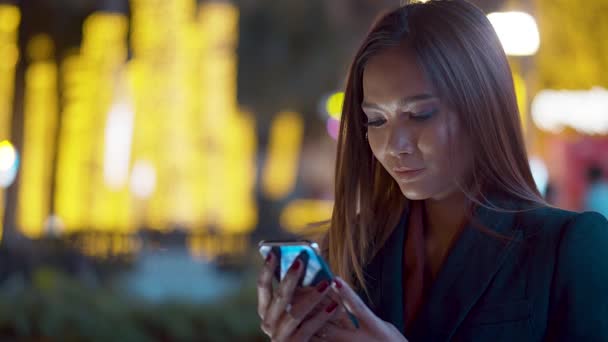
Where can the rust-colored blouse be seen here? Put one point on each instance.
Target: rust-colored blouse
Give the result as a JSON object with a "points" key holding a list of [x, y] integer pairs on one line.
{"points": [[415, 271]]}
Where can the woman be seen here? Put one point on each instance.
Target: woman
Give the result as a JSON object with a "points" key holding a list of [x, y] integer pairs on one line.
{"points": [[437, 224]]}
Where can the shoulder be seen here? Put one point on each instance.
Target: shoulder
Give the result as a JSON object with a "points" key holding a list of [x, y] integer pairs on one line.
{"points": [[560, 223], [578, 239], [574, 239], [576, 244], [580, 278], [583, 243]]}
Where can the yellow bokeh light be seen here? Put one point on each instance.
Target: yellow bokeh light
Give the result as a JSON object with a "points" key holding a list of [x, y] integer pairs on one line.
{"points": [[298, 215], [239, 214], [522, 99], [91, 78], [334, 105], [181, 81], [281, 167], [9, 18], [40, 121], [10, 56]]}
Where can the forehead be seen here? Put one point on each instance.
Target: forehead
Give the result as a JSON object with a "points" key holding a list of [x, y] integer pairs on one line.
{"points": [[393, 74]]}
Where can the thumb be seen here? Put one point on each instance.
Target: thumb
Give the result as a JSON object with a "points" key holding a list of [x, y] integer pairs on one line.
{"points": [[352, 301]]}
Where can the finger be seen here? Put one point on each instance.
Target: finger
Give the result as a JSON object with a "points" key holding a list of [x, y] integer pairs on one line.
{"points": [[301, 307], [334, 333], [324, 303], [317, 323], [352, 301], [265, 284], [282, 296], [342, 320]]}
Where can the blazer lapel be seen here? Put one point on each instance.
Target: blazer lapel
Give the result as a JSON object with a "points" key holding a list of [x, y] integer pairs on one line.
{"points": [[467, 272], [391, 296]]}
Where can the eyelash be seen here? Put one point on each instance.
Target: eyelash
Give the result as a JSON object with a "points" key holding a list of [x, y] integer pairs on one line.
{"points": [[376, 123], [424, 116], [416, 117]]}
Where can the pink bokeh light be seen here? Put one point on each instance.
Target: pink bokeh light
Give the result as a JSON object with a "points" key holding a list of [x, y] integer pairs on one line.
{"points": [[333, 128]]}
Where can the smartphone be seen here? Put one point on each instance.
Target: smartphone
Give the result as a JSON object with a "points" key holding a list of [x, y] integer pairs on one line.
{"points": [[316, 268]]}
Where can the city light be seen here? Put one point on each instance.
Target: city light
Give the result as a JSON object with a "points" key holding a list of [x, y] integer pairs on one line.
{"points": [[9, 164], [240, 214], [118, 138], [517, 31], [539, 173], [298, 215], [334, 104], [143, 179], [8, 156], [333, 128], [90, 82], [175, 114], [10, 18], [583, 110], [72, 180], [39, 132], [281, 167], [522, 98]]}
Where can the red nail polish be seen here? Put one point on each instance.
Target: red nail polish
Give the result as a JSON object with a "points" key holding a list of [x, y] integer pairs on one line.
{"points": [[338, 283], [331, 307], [296, 265], [322, 286]]}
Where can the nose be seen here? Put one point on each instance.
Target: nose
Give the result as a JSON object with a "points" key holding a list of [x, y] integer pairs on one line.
{"points": [[401, 141]]}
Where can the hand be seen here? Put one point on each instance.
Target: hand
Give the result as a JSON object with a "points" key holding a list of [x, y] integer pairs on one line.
{"points": [[371, 328], [291, 313]]}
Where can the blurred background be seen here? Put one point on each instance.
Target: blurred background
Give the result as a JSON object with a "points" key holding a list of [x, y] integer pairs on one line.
{"points": [[146, 146]]}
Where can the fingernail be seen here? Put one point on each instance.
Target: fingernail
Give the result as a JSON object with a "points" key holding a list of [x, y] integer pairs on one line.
{"points": [[296, 265], [337, 283], [268, 257], [322, 286], [331, 307]]}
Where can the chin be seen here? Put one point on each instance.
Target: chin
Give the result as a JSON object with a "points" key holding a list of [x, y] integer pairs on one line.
{"points": [[420, 193], [414, 194]]}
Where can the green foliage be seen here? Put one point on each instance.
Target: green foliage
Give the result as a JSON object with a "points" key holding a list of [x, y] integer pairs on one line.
{"points": [[53, 307], [574, 49]]}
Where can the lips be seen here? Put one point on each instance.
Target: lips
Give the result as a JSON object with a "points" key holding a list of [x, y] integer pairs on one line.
{"points": [[407, 169], [407, 174]]}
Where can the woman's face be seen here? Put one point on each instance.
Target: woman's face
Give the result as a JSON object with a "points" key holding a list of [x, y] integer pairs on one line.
{"points": [[409, 131]]}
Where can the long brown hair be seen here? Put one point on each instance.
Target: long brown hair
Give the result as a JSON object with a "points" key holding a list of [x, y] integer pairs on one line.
{"points": [[459, 52]]}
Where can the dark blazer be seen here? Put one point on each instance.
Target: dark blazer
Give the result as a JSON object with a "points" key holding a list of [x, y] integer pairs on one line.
{"points": [[548, 282]]}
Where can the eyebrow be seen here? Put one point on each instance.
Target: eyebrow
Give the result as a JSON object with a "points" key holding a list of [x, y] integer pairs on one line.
{"points": [[402, 102]]}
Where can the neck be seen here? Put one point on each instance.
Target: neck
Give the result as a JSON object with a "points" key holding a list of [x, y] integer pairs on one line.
{"points": [[444, 217]]}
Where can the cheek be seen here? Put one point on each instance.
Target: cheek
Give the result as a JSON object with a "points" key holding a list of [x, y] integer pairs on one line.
{"points": [[434, 145], [442, 147], [376, 144]]}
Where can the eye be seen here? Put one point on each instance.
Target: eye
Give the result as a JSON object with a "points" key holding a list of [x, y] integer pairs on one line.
{"points": [[375, 122], [422, 116]]}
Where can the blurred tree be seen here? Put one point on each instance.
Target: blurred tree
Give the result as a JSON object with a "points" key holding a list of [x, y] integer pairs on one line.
{"points": [[574, 49], [291, 53]]}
